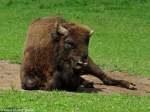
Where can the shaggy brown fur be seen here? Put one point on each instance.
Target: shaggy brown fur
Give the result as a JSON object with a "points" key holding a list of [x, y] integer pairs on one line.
{"points": [[56, 55]]}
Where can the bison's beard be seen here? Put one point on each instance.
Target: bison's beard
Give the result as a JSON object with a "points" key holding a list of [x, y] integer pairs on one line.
{"points": [[67, 68], [68, 76]]}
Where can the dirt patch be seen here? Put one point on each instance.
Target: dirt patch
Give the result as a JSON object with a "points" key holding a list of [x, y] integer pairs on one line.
{"points": [[9, 78]]}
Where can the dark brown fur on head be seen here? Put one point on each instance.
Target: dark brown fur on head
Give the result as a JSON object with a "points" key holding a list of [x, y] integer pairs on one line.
{"points": [[72, 46]]}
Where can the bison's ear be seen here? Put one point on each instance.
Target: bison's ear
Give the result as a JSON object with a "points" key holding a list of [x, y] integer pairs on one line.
{"points": [[62, 30]]}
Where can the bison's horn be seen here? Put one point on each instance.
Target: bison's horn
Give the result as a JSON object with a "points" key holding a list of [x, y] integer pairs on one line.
{"points": [[62, 30], [91, 32]]}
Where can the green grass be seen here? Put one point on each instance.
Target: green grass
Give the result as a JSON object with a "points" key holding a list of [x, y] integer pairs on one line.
{"points": [[72, 102], [121, 42]]}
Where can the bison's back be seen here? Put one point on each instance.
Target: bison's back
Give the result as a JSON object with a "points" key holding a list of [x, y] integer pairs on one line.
{"points": [[39, 33]]}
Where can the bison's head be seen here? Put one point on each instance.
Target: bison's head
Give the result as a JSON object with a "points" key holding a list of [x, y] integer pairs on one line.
{"points": [[73, 41]]}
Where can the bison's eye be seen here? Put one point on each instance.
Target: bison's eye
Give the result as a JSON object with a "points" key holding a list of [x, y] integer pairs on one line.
{"points": [[69, 45]]}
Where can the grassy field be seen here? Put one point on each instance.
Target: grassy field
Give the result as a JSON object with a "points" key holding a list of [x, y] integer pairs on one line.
{"points": [[121, 42], [72, 102]]}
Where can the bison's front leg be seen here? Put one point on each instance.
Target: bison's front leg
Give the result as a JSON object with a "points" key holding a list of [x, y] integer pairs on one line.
{"points": [[93, 69]]}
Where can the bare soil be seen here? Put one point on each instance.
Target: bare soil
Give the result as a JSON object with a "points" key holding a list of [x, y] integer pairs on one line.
{"points": [[9, 78]]}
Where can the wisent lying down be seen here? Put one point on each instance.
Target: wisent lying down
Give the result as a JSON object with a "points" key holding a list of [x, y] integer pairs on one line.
{"points": [[56, 55]]}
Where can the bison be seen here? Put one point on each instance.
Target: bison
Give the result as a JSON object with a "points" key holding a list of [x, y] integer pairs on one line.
{"points": [[56, 55]]}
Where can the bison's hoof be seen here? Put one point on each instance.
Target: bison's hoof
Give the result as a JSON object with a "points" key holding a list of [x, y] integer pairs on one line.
{"points": [[127, 85], [132, 86]]}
